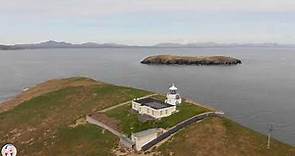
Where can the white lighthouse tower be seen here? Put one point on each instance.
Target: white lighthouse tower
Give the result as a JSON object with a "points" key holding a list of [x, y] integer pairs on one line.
{"points": [[173, 98]]}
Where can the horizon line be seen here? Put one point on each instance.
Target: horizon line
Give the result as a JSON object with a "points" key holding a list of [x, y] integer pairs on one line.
{"points": [[154, 44]]}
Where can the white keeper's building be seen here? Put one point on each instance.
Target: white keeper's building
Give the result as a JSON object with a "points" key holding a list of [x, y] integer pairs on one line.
{"points": [[156, 108]]}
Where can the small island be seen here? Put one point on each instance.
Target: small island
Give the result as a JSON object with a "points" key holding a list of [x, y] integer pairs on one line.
{"points": [[191, 60]]}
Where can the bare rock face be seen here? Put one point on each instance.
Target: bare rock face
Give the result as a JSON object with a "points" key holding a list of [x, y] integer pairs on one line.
{"points": [[191, 60]]}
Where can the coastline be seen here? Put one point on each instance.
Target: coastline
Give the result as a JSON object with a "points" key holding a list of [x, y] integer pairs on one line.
{"points": [[45, 108]]}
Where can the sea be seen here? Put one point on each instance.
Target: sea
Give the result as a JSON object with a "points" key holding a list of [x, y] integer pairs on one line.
{"points": [[257, 93]]}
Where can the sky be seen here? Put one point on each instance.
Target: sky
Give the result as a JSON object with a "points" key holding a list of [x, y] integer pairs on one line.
{"points": [[147, 22]]}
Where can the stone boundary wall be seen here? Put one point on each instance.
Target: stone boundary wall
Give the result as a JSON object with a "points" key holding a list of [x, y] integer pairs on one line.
{"points": [[90, 120], [124, 141], [176, 128]]}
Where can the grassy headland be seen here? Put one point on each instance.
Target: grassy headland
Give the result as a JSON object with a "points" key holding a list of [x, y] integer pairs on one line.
{"points": [[48, 120], [42, 124], [222, 137]]}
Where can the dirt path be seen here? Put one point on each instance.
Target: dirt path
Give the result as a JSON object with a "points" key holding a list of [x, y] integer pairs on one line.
{"points": [[100, 119]]}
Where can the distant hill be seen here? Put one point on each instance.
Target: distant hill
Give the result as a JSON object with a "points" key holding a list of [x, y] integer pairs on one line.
{"points": [[212, 44], [5, 47], [56, 44]]}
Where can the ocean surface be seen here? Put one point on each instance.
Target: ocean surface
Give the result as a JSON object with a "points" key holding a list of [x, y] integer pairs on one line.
{"points": [[257, 93]]}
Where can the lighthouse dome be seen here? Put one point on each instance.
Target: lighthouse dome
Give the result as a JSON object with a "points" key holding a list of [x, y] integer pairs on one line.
{"points": [[173, 87]]}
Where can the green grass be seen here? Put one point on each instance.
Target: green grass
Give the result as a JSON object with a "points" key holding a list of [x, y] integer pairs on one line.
{"points": [[129, 122], [81, 140], [35, 110], [234, 129], [40, 126], [85, 139], [32, 124], [222, 137]]}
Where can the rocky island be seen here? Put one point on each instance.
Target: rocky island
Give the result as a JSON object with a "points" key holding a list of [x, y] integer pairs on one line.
{"points": [[191, 60]]}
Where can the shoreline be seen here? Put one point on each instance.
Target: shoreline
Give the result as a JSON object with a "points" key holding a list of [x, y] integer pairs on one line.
{"points": [[75, 82]]}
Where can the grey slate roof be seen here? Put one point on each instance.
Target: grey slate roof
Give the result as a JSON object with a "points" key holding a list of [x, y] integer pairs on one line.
{"points": [[153, 103]]}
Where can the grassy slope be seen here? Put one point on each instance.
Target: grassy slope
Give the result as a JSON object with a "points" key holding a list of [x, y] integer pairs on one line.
{"points": [[129, 120], [40, 125], [43, 88], [222, 137]]}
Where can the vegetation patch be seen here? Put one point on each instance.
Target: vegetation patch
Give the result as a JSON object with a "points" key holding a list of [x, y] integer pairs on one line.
{"points": [[221, 137], [35, 125], [129, 122], [85, 139], [45, 121]]}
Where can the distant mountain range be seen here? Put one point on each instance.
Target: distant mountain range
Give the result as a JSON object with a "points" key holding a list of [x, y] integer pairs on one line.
{"points": [[213, 44], [55, 44]]}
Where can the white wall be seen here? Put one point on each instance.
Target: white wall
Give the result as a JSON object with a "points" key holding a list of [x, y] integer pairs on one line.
{"points": [[171, 99], [141, 141], [156, 113]]}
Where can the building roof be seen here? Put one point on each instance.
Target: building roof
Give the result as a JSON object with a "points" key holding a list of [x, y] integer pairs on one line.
{"points": [[153, 103], [147, 132]]}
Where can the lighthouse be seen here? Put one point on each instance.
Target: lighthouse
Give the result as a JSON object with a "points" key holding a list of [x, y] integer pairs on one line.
{"points": [[173, 98]]}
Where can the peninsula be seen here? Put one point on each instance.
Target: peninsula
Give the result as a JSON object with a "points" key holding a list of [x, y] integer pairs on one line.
{"points": [[191, 60], [51, 119]]}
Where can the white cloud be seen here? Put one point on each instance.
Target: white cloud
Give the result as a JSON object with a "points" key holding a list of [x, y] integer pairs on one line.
{"points": [[105, 7], [73, 20]]}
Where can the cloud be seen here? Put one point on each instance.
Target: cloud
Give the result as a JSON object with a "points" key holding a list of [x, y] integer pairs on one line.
{"points": [[147, 20], [92, 8]]}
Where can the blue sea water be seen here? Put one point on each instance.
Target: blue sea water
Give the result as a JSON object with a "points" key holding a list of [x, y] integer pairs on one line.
{"points": [[256, 93]]}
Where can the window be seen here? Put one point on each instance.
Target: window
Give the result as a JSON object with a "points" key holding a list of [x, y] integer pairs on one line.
{"points": [[161, 112], [148, 110], [153, 113], [166, 111], [173, 92]]}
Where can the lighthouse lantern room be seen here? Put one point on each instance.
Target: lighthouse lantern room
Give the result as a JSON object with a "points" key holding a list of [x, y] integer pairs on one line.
{"points": [[173, 98]]}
